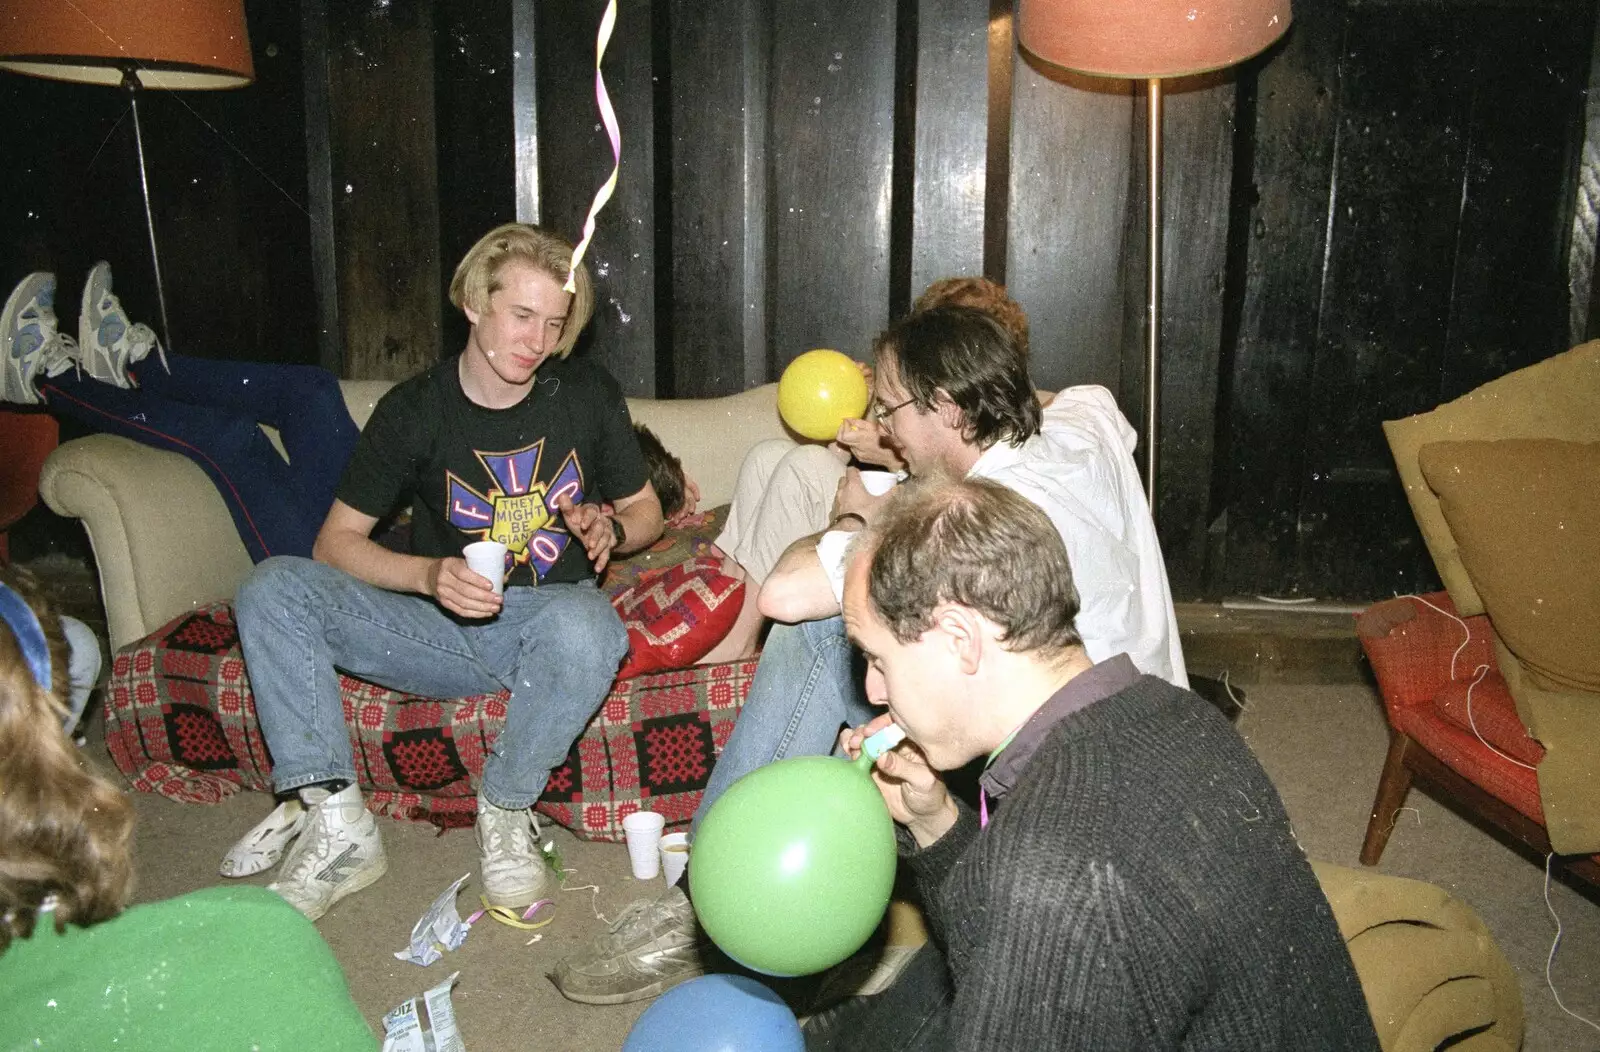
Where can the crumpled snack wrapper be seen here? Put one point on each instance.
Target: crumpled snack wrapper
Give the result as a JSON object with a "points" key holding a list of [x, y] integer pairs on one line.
{"points": [[404, 1028], [441, 926]]}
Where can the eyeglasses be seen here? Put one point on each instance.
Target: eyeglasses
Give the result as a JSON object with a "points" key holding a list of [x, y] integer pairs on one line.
{"points": [[881, 414]]}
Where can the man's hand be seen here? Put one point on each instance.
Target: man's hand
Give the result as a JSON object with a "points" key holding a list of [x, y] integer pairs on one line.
{"points": [[691, 501], [852, 498], [869, 443], [592, 527], [916, 795], [460, 590]]}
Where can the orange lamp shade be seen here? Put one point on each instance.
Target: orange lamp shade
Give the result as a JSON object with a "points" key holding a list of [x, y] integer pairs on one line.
{"points": [[181, 45], [1148, 38]]}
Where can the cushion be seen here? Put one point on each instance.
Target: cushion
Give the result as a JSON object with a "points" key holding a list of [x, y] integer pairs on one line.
{"points": [[674, 618], [1554, 398], [693, 538], [181, 721], [1525, 515]]}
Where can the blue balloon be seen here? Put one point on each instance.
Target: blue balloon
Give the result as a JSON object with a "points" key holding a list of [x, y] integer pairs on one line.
{"points": [[717, 1013]]}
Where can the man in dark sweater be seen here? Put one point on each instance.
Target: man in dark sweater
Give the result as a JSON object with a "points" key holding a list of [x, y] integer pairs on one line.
{"points": [[1130, 879]]}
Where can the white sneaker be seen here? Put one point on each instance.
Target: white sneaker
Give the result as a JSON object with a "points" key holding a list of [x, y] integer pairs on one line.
{"points": [[261, 848], [512, 865], [30, 340], [108, 340], [339, 852]]}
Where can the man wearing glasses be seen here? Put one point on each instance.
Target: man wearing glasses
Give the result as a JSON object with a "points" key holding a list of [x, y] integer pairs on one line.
{"points": [[952, 396]]}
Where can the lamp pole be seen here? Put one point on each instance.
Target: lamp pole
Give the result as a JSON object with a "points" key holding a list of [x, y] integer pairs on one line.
{"points": [[130, 82], [1152, 317]]}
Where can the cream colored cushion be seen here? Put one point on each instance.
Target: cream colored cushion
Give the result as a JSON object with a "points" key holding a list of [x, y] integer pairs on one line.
{"points": [[1525, 515], [1555, 398]]}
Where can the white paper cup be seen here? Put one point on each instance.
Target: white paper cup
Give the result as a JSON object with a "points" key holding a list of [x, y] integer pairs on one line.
{"points": [[643, 832], [878, 483], [674, 856], [488, 559]]}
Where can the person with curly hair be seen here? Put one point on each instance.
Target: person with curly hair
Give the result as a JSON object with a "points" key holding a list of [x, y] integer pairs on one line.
{"points": [[234, 967]]}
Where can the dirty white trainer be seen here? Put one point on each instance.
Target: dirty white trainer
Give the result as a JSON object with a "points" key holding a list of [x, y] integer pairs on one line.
{"points": [[339, 852], [512, 866], [261, 848]]}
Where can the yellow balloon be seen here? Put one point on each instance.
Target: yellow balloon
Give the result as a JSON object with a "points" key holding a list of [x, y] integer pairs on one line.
{"points": [[819, 391]]}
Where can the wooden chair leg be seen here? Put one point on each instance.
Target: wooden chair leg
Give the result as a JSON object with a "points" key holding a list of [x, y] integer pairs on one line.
{"points": [[1392, 789]]}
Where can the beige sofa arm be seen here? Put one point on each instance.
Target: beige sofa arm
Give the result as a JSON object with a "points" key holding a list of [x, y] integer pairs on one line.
{"points": [[162, 537], [1431, 972]]}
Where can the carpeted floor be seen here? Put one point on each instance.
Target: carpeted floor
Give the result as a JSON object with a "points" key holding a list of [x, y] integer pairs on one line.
{"points": [[1323, 746]]}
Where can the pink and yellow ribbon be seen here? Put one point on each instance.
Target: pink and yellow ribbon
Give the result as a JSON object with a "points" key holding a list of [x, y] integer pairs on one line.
{"points": [[608, 117]]}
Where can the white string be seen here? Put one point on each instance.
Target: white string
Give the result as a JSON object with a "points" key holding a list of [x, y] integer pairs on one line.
{"points": [[1479, 673], [1550, 960]]}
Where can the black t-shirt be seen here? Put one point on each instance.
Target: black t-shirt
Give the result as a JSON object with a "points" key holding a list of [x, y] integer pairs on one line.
{"points": [[476, 474]]}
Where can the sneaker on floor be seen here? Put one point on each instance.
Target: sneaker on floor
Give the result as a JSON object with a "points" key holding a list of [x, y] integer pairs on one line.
{"points": [[30, 340], [512, 866], [651, 948], [108, 341], [261, 848], [339, 852]]}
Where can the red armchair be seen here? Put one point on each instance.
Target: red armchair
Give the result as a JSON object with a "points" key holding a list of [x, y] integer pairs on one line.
{"points": [[1480, 756], [1492, 688], [27, 438]]}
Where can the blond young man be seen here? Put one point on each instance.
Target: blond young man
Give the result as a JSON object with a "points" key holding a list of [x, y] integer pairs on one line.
{"points": [[511, 441]]}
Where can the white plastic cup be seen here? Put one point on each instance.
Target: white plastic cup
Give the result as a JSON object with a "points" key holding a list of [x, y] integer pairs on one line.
{"points": [[878, 483], [488, 559], [674, 856], [643, 832]]}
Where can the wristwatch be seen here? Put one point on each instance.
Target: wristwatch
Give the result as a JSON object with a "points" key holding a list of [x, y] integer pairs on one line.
{"points": [[617, 531]]}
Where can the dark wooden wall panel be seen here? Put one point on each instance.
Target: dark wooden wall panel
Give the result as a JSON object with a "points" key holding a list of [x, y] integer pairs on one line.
{"points": [[708, 172], [1265, 401], [1197, 172], [1398, 183], [473, 82], [951, 132], [575, 159], [831, 138], [386, 187], [1070, 159], [1509, 306]]}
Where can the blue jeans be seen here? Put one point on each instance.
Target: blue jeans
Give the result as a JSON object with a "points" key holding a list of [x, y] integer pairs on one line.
{"points": [[209, 411], [556, 647], [807, 685]]}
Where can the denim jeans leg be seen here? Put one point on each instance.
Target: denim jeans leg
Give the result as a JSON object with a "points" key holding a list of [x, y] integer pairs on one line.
{"points": [[805, 687], [299, 620], [556, 647]]}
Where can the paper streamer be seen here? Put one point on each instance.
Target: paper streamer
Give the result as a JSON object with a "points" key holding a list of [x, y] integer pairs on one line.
{"points": [[608, 117]]}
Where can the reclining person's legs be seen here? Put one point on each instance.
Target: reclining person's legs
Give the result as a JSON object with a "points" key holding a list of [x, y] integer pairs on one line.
{"points": [[794, 502]]}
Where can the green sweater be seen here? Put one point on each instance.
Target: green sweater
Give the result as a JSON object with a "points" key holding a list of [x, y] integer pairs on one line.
{"points": [[222, 968]]}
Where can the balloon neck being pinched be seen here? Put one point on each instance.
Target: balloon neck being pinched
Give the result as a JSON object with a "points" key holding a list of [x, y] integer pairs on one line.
{"points": [[878, 744]]}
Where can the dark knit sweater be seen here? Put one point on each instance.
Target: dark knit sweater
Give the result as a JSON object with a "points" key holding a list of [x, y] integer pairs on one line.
{"points": [[1139, 888]]}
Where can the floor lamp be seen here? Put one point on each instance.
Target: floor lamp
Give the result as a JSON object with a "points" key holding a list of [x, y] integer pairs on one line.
{"points": [[176, 45], [1149, 40]]}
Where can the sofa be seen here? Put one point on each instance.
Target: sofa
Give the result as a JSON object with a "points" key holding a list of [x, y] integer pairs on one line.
{"points": [[1492, 686], [180, 717]]}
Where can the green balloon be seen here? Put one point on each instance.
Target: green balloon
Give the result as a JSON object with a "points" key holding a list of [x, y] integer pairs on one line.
{"points": [[792, 868]]}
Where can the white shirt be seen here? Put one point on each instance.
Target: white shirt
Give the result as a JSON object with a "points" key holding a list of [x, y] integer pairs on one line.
{"points": [[1079, 470]]}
